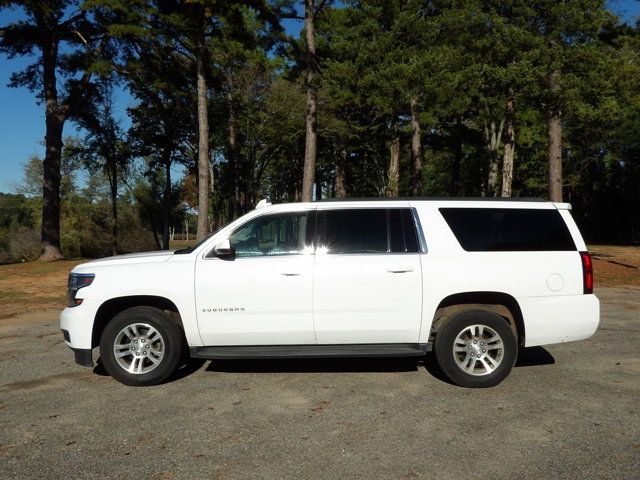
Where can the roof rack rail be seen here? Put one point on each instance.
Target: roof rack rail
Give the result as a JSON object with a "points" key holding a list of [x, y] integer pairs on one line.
{"points": [[475, 199]]}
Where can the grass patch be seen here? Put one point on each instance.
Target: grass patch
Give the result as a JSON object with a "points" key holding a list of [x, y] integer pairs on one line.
{"points": [[37, 267], [10, 296], [176, 244], [34, 284]]}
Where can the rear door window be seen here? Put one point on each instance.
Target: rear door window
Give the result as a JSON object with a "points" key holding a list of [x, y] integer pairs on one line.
{"points": [[353, 231], [367, 230], [508, 229]]}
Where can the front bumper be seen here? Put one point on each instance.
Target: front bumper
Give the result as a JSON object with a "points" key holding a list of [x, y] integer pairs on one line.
{"points": [[83, 356], [76, 324]]}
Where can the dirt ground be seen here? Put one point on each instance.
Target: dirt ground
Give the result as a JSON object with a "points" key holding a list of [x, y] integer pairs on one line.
{"points": [[616, 266], [566, 411], [42, 285]]}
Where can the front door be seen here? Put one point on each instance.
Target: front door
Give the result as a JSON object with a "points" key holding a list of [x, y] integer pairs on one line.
{"points": [[264, 295]]}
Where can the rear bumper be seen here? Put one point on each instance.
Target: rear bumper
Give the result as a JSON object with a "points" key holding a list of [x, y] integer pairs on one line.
{"points": [[558, 319]]}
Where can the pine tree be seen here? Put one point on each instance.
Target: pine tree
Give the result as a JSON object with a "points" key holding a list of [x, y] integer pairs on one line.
{"points": [[67, 41]]}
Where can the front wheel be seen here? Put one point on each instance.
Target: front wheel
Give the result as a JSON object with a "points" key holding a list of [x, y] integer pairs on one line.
{"points": [[476, 349], [141, 346]]}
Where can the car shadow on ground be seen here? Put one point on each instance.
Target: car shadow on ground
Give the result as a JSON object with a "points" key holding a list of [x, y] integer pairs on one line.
{"points": [[185, 369], [320, 365], [98, 368], [527, 357], [534, 357]]}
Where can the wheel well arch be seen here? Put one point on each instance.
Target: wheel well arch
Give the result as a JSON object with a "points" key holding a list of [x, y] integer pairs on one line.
{"points": [[114, 306], [500, 303]]}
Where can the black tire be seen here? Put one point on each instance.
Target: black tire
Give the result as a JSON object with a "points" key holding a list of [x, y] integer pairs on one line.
{"points": [[165, 350], [460, 326]]}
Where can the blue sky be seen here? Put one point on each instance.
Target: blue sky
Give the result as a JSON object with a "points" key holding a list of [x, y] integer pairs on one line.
{"points": [[22, 120]]}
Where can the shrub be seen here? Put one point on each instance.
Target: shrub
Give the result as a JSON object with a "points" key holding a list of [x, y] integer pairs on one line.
{"points": [[19, 244], [24, 244]]}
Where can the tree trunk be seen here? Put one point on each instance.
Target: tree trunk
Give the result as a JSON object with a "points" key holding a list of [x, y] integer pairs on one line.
{"points": [[394, 173], [55, 118], [416, 150], [492, 138], [154, 230], [114, 207], [454, 187], [211, 187], [554, 117], [234, 203], [166, 200], [509, 148], [340, 190], [50, 233], [311, 116], [203, 142]]}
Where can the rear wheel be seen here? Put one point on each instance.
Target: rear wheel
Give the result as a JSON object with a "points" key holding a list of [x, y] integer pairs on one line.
{"points": [[141, 346], [476, 349]]}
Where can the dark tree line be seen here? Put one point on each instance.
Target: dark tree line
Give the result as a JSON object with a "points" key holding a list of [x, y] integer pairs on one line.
{"points": [[398, 97]]}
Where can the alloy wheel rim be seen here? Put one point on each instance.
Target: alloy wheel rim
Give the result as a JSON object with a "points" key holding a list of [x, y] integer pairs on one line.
{"points": [[139, 348], [478, 350]]}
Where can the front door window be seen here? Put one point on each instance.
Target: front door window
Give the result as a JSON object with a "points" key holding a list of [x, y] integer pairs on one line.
{"points": [[279, 234]]}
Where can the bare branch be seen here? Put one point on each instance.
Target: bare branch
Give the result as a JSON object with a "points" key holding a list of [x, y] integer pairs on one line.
{"points": [[84, 40]]}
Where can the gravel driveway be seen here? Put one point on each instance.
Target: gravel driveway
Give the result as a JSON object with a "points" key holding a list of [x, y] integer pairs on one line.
{"points": [[566, 411]]}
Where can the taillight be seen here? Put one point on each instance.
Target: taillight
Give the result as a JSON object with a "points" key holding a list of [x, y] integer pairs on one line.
{"points": [[587, 272]]}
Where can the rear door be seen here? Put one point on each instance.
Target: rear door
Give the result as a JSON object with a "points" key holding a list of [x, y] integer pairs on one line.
{"points": [[367, 277]]}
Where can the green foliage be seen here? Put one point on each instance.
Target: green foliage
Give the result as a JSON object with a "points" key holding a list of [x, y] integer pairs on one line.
{"points": [[86, 228], [86, 218], [153, 206], [59, 34], [14, 211], [18, 239], [458, 62]]}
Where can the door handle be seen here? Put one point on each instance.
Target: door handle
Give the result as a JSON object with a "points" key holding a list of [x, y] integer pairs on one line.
{"points": [[399, 269], [290, 274]]}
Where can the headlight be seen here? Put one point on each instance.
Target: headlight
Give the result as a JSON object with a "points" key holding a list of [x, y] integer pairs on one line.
{"points": [[75, 283]]}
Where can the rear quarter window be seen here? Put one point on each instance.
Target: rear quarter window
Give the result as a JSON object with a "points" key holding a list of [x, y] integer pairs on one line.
{"points": [[508, 229]]}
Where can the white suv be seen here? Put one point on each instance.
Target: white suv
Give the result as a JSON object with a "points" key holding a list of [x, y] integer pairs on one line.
{"points": [[470, 279]]}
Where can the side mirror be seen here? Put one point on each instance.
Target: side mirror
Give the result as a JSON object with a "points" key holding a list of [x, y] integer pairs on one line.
{"points": [[224, 250]]}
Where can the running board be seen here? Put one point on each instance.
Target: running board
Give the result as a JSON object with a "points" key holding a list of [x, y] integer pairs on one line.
{"points": [[311, 351]]}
